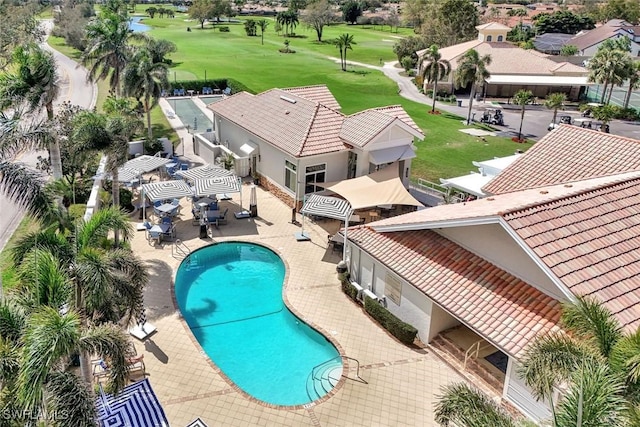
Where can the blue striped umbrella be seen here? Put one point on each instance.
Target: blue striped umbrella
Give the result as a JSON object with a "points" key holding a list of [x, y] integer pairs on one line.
{"points": [[221, 185], [146, 163], [136, 405], [164, 190], [331, 207], [203, 172]]}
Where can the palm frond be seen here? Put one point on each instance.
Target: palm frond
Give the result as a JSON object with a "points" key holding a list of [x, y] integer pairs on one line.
{"points": [[44, 239], [49, 337], [549, 362], [588, 319], [112, 344], [94, 277], [13, 321], [25, 186], [43, 281], [9, 361], [103, 221], [130, 284], [71, 400], [464, 406], [625, 360]]}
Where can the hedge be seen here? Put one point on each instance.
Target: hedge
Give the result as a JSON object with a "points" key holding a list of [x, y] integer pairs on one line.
{"points": [[221, 84], [399, 329], [350, 290]]}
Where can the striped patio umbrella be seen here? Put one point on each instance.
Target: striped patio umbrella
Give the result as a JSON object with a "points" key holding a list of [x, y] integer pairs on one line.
{"points": [[136, 405], [330, 207], [220, 185], [164, 190], [146, 163], [124, 175], [203, 172]]}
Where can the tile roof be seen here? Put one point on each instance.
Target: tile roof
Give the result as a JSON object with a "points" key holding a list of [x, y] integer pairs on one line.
{"points": [[492, 26], [591, 241], [566, 154], [319, 93], [493, 207], [499, 306], [300, 128], [599, 34]]}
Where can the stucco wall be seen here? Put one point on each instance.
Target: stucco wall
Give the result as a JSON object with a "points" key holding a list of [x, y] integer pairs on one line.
{"points": [[492, 243], [517, 392]]}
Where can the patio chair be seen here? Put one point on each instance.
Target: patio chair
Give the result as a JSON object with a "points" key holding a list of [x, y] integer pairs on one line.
{"points": [[176, 92], [157, 203], [171, 233], [166, 220], [222, 219], [227, 91], [164, 93], [155, 236], [184, 167], [175, 202], [207, 90]]}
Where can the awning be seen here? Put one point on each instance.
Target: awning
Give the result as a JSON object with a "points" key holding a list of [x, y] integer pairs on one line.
{"points": [[527, 80], [205, 171], [146, 163], [471, 183], [135, 405], [220, 185], [390, 155], [383, 187], [330, 207], [248, 148], [164, 190]]}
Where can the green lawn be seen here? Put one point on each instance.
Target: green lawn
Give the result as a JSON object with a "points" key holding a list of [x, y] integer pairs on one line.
{"points": [[445, 152]]}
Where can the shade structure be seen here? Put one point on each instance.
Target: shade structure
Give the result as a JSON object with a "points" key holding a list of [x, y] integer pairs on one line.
{"points": [[203, 172], [146, 163], [164, 190], [136, 405], [330, 207], [220, 185], [383, 187], [124, 175]]}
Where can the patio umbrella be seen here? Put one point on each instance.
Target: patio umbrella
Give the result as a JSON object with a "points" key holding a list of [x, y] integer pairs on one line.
{"points": [[220, 185], [146, 163], [330, 207], [202, 172], [163, 190], [124, 175], [136, 405], [253, 202]]}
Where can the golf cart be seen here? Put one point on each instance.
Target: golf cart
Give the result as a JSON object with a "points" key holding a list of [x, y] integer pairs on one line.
{"points": [[590, 106], [492, 116], [564, 120]]}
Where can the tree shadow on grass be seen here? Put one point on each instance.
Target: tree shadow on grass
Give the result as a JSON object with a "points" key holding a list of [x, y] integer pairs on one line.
{"points": [[451, 116]]}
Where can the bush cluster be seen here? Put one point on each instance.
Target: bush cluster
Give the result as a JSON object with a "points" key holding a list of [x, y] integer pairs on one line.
{"points": [[221, 84], [442, 95], [350, 290], [223, 29], [399, 329], [70, 24]]}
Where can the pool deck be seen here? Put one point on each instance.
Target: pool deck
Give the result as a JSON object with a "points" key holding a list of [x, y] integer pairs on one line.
{"points": [[402, 382]]}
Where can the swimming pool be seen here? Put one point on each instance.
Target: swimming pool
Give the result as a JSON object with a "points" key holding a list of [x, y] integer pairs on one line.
{"points": [[230, 295], [190, 114]]}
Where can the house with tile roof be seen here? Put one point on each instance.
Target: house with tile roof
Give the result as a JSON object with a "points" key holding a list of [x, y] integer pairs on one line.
{"points": [[589, 41], [513, 68], [490, 275], [297, 137]]}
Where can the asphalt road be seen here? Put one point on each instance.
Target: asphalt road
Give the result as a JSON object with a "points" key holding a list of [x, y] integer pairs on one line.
{"points": [[74, 88]]}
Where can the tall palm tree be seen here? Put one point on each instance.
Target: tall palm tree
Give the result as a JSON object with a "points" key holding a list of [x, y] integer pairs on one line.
{"points": [[111, 135], [262, 24], [159, 49], [522, 98], [555, 101], [472, 68], [108, 48], [608, 67], [145, 79], [434, 69], [343, 42], [34, 85], [633, 75]]}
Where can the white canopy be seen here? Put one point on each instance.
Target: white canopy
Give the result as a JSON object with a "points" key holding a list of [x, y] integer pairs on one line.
{"points": [[220, 185], [204, 171], [383, 187], [471, 183], [146, 163], [164, 190], [530, 80]]}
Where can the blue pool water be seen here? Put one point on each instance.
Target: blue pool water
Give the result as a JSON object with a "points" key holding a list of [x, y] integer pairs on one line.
{"points": [[136, 26], [230, 295], [190, 114]]}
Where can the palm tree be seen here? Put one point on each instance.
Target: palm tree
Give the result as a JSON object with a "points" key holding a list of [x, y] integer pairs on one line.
{"points": [[522, 98], [263, 24], [344, 42], [434, 68], [608, 67], [145, 79], [472, 68], [555, 101], [109, 134], [34, 85], [464, 406], [108, 49], [159, 49], [634, 80]]}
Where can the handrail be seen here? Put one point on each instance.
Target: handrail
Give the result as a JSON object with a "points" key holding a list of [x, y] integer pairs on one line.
{"points": [[359, 378], [179, 249], [357, 370], [474, 351]]}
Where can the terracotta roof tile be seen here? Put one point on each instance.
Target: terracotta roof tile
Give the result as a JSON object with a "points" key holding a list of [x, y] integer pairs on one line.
{"points": [[501, 307], [318, 93], [590, 241], [568, 153]]}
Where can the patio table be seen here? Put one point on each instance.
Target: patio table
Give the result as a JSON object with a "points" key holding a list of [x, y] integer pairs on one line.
{"points": [[167, 208], [160, 228]]}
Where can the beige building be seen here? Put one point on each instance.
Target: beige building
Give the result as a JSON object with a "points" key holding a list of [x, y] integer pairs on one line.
{"points": [[513, 68]]}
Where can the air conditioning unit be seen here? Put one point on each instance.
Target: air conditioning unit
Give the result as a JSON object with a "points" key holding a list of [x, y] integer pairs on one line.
{"points": [[359, 289], [368, 293]]}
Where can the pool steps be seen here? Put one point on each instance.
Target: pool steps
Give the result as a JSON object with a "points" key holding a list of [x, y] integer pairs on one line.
{"points": [[323, 378]]}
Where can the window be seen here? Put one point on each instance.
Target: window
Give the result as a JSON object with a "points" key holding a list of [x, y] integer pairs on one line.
{"points": [[499, 38], [314, 174], [489, 38], [352, 164], [290, 176]]}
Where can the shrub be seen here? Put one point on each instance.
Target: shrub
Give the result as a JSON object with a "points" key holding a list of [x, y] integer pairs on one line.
{"points": [[408, 63], [126, 196], [220, 83], [223, 29], [399, 329], [349, 289], [77, 211], [152, 146]]}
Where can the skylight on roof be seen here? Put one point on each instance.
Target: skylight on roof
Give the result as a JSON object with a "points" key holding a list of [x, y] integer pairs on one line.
{"points": [[289, 100]]}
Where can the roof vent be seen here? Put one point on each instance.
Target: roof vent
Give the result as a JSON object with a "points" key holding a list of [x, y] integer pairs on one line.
{"points": [[544, 192], [568, 185], [286, 112], [289, 100]]}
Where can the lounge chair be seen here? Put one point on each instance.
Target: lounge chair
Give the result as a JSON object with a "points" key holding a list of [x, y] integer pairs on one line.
{"points": [[197, 423], [207, 90], [227, 91]]}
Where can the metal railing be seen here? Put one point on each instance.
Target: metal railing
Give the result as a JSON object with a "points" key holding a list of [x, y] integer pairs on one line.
{"points": [[179, 250], [473, 351]]}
